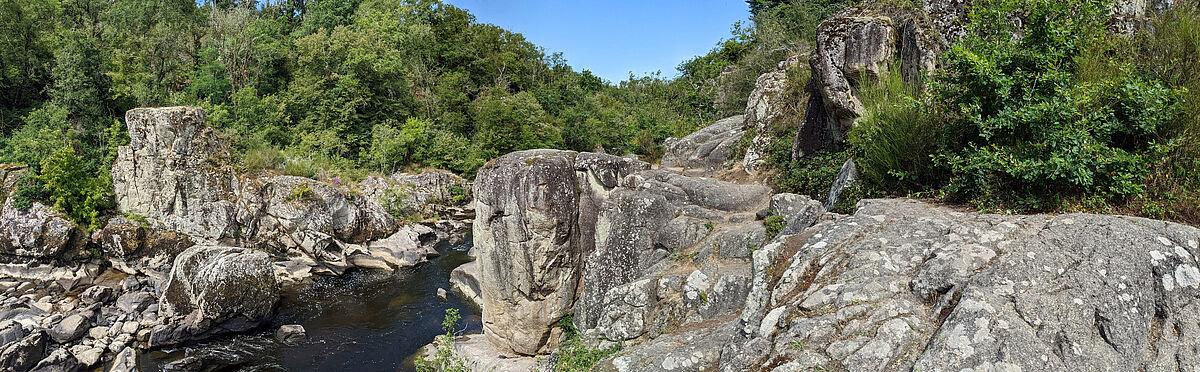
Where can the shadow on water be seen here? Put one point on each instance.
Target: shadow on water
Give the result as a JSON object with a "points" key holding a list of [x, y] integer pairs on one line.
{"points": [[360, 321]]}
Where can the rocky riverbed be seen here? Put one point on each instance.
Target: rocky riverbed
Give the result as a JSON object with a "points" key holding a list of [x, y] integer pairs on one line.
{"points": [[201, 251]]}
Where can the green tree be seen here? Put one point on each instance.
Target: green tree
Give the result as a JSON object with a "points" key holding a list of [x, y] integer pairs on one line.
{"points": [[507, 122]]}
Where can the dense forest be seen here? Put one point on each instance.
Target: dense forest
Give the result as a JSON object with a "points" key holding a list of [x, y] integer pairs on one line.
{"points": [[338, 88]]}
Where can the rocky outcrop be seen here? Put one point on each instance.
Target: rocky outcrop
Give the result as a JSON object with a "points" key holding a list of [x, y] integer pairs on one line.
{"points": [[465, 280], [682, 273], [176, 170], [214, 290], [529, 208], [766, 103], [614, 239], [704, 151], [905, 285], [409, 193], [37, 232]]}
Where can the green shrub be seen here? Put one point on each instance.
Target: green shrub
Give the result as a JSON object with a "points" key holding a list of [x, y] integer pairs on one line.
{"points": [[445, 359], [1166, 52], [73, 191], [395, 145], [893, 143], [774, 223], [29, 190], [459, 194], [302, 167], [572, 354], [812, 175], [1023, 131], [300, 192]]}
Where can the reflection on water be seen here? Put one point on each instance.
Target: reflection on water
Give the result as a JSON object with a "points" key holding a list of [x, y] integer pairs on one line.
{"points": [[361, 321]]}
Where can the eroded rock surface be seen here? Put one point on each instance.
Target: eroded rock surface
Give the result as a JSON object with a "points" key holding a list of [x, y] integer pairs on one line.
{"points": [[216, 289], [706, 150], [176, 170], [614, 239], [529, 205]]}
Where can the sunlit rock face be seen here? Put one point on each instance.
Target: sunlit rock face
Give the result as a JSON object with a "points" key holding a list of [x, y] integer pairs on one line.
{"points": [[176, 170]]}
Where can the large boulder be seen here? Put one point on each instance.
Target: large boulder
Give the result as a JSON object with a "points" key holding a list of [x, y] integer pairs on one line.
{"points": [[409, 193], [176, 170], [851, 47], [529, 205], [766, 103], [215, 289], [704, 151], [526, 205], [123, 237], [22, 354], [37, 232]]}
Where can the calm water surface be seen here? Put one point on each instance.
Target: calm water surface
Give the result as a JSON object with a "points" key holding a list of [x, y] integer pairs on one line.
{"points": [[361, 321]]}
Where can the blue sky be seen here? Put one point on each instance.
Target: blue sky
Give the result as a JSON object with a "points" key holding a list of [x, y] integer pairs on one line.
{"points": [[612, 38]]}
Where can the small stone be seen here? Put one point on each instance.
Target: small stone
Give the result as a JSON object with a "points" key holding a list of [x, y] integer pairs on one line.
{"points": [[129, 327], [87, 356], [441, 294], [70, 328], [98, 332], [125, 361], [134, 302], [291, 334], [97, 294]]}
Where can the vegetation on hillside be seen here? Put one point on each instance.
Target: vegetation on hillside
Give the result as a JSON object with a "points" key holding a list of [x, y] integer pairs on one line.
{"points": [[1068, 117], [317, 88]]}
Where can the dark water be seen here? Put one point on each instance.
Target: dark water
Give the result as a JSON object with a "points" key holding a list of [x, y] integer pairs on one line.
{"points": [[361, 321]]}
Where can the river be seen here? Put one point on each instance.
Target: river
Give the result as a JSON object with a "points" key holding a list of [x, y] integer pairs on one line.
{"points": [[360, 321]]}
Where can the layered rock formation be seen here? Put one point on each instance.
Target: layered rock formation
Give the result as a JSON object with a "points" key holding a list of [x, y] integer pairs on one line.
{"points": [[530, 208], [176, 170], [706, 150], [681, 279]]}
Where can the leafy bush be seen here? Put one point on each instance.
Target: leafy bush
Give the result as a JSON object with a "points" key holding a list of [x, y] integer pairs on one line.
{"points": [[73, 191], [29, 190], [1023, 131], [774, 223], [392, 147], [812, 175], [1167, 52], [572, 354]]}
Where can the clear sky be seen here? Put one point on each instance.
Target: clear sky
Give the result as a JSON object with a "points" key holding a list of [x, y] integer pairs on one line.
{"points": [[614, 37]]}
